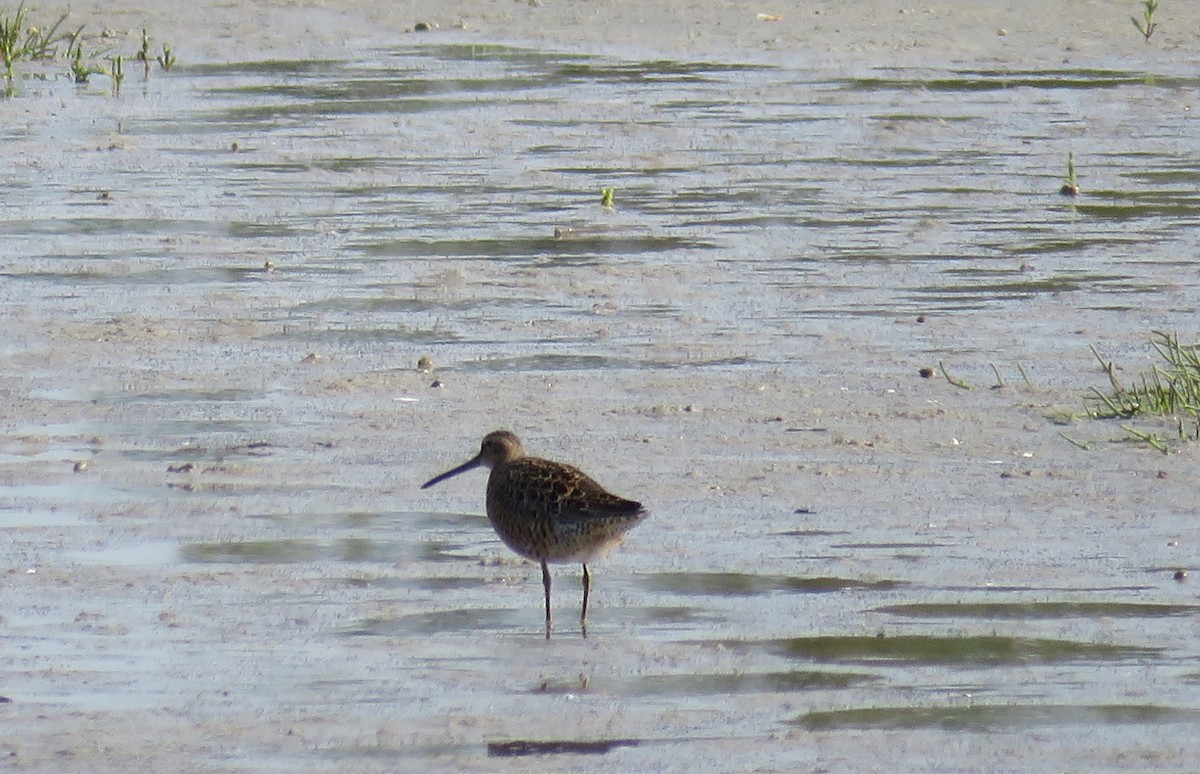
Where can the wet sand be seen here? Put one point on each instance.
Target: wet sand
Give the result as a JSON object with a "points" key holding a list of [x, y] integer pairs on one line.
{"points": [[300, 514], [898, 33]]}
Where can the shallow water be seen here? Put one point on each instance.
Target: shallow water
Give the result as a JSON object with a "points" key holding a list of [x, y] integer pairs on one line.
{"points": [[770, 220]]}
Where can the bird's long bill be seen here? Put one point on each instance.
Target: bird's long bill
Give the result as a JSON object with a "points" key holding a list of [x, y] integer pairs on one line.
{"points": [[463, 468]]}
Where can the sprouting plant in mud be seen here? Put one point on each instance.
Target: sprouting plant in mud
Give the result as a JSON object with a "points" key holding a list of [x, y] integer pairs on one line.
{"points": [[116, 71], [81, 69], [143, 54], [166, 59], [606, 198], [1170, 390], [10, 41], [1146, 24], [954, 380], [1071, 186]]}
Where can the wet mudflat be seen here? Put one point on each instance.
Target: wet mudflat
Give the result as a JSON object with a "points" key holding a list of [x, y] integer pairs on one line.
{"points": [[216, 289]]}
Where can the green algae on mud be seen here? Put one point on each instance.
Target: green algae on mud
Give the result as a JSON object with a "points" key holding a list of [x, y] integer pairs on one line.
{"points": [[981, 718], [1037, 610], [966, 650], [747, 584]]}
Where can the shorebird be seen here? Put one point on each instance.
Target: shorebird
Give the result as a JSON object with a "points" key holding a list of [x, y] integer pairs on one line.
{"points": [[547, 511]]}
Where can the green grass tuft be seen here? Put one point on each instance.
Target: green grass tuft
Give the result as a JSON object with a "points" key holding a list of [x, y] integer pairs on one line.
{"points": [[1171, 389]]}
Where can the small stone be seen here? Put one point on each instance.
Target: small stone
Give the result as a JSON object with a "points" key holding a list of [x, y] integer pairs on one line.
{"points": [[436, 384], [81, 466], [926, 372], [422, 27], [425, 364], [1181, 575]]}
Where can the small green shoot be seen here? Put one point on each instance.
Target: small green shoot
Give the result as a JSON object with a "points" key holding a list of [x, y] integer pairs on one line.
{"points": [[999, 385], [116, 71], [166, 59], [606, 198], [11, 47], [1075, 443], [959, 383], [1025, 375], [1146, 24], [82, 70], [1071, 186], [143, 54], [79, 71], [1149, 438]]}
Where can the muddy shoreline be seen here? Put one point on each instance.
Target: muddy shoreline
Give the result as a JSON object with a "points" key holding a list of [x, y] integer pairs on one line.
{"points": [[217, 557], [876, 33]]}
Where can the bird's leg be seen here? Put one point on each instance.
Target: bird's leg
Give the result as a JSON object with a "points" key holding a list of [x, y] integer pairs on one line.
{"points": [[546, 586], [587, 587]]}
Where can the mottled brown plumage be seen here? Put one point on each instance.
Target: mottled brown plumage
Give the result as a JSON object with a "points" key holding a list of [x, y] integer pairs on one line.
{"points": [[547, 511]]}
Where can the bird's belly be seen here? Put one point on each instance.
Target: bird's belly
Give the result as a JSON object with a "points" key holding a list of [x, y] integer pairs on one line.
{"points": [[544, 541]]}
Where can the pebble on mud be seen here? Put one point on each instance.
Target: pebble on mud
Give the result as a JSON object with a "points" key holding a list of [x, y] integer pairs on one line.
{"points": [[425, 364], [80, 466], [926, 372], [1181, 575]]}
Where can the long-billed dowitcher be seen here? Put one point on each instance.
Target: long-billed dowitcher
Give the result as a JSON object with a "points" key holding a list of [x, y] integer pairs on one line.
{"points": [[547, 511]]}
